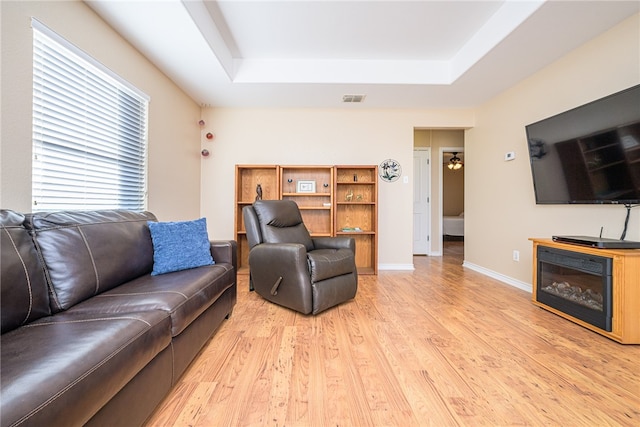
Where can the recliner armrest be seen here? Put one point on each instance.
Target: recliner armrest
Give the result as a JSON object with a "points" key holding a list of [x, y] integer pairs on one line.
{"points": [[338, 242], [277, 256], [271, 261]]}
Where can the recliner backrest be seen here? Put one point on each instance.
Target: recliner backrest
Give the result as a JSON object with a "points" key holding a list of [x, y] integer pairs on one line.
{"points": [[281, 222], [252, 226]]}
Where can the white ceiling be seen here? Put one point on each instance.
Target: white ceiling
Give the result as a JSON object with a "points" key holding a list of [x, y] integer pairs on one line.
{"points": [[400, 54]]}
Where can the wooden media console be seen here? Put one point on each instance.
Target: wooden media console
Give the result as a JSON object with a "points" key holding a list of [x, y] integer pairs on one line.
{"points": [[623, 299]]}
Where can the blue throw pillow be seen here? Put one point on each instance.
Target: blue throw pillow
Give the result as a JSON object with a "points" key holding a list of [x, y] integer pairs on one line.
{"points": [[179, 245]]}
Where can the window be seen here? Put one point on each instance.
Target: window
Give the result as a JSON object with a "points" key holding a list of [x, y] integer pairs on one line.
{"points": [[89, 131]]}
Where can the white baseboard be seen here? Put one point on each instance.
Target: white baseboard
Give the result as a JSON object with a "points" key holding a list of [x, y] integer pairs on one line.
{"points": [[501, 277], [495, 275], [402, 267]]}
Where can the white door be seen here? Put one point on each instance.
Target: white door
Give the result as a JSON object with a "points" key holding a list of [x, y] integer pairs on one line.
{"points": [[421, 202]]}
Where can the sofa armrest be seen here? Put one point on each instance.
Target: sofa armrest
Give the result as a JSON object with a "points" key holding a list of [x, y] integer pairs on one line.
{"points": [[338, 242], [225, 251]]}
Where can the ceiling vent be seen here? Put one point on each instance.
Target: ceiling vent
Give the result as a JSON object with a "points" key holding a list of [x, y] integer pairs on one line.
{"points": [[353, 98]]}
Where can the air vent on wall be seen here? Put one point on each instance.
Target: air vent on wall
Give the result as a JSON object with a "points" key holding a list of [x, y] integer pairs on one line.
{"points": [[353, 98]]}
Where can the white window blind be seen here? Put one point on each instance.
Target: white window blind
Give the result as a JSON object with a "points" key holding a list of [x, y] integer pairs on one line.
{"points": [[89, 131]]}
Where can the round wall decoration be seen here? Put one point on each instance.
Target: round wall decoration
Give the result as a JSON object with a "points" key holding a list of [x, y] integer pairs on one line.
{"points": [[390, 170]]}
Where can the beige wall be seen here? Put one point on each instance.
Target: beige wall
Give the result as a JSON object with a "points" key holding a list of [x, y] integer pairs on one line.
{"points": [[315, 136], [174, 135], [452, 191], [500, 209]]}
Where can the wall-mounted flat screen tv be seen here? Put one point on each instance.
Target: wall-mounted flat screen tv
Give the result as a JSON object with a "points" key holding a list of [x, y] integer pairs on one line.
{"points": [[590, 154]]}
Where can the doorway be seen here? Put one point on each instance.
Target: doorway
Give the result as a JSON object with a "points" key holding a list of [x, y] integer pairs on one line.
{"points": [[428, 185], [451, 195]]}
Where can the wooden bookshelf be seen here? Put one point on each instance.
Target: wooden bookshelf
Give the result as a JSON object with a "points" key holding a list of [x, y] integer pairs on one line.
{"points": [[356, 195], [315, 206], [321, 193]]}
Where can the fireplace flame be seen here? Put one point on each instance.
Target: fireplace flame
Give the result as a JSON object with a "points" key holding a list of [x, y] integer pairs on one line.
{"points": [[587, 298]]}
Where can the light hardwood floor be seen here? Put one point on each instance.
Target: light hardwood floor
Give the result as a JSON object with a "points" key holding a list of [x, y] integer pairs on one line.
{"points": [[440, 346]]}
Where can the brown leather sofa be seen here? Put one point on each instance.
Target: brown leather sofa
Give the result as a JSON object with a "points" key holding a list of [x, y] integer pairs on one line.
{"points": [[89, 336]]}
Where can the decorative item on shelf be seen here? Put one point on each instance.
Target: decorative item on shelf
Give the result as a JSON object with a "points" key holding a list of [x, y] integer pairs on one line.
{"points": [[455, 162], [325, 185], [358, 197], [205, 152], [349, 196], [390, 170], [355, 177], [289, 180], [259, 192], [351, 229], [210, 135], [306, 187]]}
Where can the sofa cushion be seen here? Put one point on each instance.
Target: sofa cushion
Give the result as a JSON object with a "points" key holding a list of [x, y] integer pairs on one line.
{"points": [[24, 294], [179, 245], [183, 294], [60, 370], [86, 253]]}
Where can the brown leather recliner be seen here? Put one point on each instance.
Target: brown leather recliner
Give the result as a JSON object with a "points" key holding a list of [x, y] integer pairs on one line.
{"points": [[290, 268]]}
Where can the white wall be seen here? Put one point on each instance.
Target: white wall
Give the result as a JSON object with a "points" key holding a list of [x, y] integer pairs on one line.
{"points": [[500, 209], [321, 137], [174, 135]]}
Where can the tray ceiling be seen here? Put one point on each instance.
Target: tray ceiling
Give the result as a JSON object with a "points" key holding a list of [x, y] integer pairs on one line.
{"points": [[399, 54]]}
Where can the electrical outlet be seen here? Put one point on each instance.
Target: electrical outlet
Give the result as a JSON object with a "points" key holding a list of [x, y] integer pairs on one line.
{"points": [[509, 156], [516, 255]]}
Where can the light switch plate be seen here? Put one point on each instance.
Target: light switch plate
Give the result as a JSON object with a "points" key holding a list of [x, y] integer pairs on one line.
{"points": [[509, 156]]}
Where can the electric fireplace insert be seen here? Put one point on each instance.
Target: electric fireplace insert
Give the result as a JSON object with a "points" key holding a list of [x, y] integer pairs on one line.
{"points": [[577, 284]]}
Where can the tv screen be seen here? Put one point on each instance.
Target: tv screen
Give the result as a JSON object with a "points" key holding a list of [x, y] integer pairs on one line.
{"points": [[590, 154]]}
